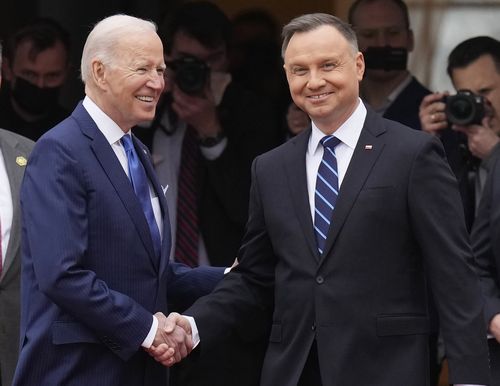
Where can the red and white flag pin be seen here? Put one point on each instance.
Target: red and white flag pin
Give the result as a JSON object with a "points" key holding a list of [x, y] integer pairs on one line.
{"points": [[368, 147]]}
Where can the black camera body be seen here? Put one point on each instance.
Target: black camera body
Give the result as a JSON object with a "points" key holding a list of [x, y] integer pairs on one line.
{"points": [[190, 74], [465, 108]]}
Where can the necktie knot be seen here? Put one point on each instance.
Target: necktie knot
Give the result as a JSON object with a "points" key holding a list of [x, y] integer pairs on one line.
{"points": [[330, 141], [127, 143]]}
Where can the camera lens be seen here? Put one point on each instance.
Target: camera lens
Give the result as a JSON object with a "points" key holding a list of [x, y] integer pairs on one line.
{"points": [[190, 74], [464, 108]]}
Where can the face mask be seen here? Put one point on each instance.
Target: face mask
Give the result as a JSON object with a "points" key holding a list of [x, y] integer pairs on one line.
{"points": [[33, 99], [386, 58]]}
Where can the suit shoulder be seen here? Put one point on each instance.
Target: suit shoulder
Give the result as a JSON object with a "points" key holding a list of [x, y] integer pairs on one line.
{"points": [[289, 146], [402, 137], [17, 139]]}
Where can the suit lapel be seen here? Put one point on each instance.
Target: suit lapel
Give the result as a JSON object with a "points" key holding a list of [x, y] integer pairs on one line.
{"points": [[111, 166], [13, 158], [297, 181], [369, 147]]}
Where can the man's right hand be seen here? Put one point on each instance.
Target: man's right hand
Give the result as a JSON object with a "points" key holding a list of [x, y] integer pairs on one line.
{"points": [[432, 113], [173, 339]]}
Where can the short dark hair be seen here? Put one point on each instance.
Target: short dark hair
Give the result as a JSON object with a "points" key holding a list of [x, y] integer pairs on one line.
{"points": [[472, 49], [311, 21], [201, 20], [43, 33], [400, 3]]}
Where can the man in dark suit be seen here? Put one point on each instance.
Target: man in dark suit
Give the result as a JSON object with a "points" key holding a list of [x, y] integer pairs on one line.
{"points": [[14, 152], [349, 298], [96, 235], [486, 245]]}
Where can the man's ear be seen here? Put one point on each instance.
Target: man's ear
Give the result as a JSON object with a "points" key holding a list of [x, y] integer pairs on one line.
{"points": [[98, 73], [360, 65]]}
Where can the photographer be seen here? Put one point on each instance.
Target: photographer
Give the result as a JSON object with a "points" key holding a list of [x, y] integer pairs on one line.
{"points": [[206, 133], [473, 65]]}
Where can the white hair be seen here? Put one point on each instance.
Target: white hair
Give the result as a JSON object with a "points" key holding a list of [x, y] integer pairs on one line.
{"points": [[106, 35]]}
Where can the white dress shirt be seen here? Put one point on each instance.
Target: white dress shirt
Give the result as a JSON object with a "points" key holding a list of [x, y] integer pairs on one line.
{"points": [[6, 208]]}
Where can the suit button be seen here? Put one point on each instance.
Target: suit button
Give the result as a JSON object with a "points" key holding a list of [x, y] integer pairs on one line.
{"points": [[320, 280], [313, 327]]}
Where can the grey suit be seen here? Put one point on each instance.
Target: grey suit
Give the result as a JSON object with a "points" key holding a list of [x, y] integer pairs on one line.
{"points": [[15, 150]]}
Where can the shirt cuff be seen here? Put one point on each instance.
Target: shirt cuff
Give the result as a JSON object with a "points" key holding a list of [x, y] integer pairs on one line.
{"points": [[194, 330], [214, 152], [148, 342]]}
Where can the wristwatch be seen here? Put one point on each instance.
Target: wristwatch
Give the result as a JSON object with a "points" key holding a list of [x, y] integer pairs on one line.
{"points": [[212, 141]]}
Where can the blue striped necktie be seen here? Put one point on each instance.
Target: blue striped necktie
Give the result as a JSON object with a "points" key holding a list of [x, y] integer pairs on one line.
{"points": [[140, 183], [327, 190]]}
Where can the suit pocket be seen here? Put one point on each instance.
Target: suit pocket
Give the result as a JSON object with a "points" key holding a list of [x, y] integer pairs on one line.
{"points": [[402, 324], [71, 332], [275, 335]]}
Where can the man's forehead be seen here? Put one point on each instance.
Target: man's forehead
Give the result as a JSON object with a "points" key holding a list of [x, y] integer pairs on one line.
{"points": [[28, 49]]}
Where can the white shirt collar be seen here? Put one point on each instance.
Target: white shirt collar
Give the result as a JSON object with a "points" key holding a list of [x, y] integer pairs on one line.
{"points": [[105, 124], [348, 132]]}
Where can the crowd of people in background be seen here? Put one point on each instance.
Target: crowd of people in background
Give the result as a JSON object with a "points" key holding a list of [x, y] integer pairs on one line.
{"points": [[216, 110]]}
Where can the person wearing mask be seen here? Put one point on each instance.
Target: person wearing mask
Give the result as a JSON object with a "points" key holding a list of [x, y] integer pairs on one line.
{"points": [[349, 223], [35, 66], [14, 152], [96, 277], [386, 39]]}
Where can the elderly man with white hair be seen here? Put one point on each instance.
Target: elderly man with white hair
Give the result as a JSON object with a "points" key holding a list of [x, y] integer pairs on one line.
{"points": [[96, 236]]}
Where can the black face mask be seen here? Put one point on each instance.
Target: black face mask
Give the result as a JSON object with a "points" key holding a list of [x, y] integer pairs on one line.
{"points": [[386, 58], [33, 99]]}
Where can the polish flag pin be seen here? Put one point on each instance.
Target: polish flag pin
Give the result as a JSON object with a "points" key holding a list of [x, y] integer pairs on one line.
{"points": [[368, 147]]}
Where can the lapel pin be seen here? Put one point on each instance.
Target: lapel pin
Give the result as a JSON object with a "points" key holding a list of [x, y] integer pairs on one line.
{"points": [[368, 147], [21, 161]]}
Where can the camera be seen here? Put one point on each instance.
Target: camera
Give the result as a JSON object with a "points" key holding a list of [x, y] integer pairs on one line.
{"points": [[386, 58], [465, 108], [190, 74]]}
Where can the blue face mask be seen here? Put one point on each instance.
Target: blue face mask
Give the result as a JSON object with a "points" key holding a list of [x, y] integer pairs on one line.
{"points": [[33, 99]]}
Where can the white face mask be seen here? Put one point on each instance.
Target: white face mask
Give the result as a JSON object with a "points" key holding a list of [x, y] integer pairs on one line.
{"points": [[218, 83]]}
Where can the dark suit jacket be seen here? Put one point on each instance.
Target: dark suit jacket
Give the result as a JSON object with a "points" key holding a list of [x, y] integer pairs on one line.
{"points": [[398, 222], [15, 150], [486, 239], [405, 107], [90, 280]]}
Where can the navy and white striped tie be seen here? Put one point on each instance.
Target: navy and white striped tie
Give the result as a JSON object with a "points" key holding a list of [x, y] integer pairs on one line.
{"points": [[327, 190]]}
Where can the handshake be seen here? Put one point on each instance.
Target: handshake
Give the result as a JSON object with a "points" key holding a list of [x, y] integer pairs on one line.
{"points": [[173, 340]]}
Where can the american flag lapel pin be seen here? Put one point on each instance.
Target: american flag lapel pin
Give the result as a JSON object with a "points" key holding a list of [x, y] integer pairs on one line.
{"points": [[368, 147]]}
